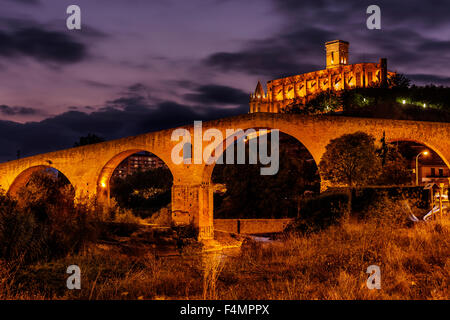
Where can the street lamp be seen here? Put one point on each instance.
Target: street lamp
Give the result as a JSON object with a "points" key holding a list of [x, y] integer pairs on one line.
{"points": [[425, 153]]}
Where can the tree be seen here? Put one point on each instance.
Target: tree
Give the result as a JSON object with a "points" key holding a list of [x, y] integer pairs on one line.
{"points": [[145, 192], [394, 167], [399, 81], [324, 102], [89, 139], [351, 160], [251, 195]]}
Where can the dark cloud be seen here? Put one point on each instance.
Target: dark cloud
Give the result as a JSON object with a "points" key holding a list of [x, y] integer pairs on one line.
{"points": [[430, 79], [186, 84], [41, 44], [127, 102], [216, 94], [135, 96], [289, 52], [414, 13], [97, 84], [62, 131], [26, 2], [137, 87], [435, 46], [298, 45], [12, 111]]}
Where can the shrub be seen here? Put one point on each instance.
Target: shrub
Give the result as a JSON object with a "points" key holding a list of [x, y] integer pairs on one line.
{"points": [[321, 212], [44, 223], [370, 202], [145, 192], [20, 237], [163, 217], [388, 212]]}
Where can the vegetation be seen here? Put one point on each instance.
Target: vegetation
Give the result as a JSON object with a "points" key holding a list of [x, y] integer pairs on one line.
{"points": [[89, 139], [46, 223], [354, 160], [320, 212], [325, 102], [250, 195], [330, 264], [144, 192], [394, 166], [400, 100], [324, 254], [428, 103], [351, 160]]}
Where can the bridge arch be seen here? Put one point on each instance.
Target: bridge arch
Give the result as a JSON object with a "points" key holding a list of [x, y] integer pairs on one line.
{"points": [[229, 140], [206, 213], [424, 143], [107, 170], [23, 177]]}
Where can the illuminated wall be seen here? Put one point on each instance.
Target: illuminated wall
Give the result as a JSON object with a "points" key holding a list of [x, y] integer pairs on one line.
{"points": [[338, 75]]}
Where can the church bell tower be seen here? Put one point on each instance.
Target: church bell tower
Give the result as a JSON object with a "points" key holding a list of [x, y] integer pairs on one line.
{"points": [[337, 53]]}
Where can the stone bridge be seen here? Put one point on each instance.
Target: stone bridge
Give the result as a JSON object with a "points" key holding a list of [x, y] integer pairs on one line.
{"points": [[89, 168]]}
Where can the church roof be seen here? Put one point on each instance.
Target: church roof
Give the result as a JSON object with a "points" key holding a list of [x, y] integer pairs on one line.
{"points": [[259, 89]]}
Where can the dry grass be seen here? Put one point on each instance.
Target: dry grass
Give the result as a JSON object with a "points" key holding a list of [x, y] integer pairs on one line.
{"points": [[331, 264]]}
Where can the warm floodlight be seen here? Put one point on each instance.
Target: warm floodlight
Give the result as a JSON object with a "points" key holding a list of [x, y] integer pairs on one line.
{"points": [[425, 153]]}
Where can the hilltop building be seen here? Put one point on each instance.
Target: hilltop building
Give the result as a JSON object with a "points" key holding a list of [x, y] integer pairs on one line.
{"points": [[338, 75]]}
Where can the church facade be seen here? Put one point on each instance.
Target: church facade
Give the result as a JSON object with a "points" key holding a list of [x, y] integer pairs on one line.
{"points": [[338, 75]]}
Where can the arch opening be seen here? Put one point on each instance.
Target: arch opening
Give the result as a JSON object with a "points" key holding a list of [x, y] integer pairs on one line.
{"points": [[429, 163], [241, 192], [39, 177], [137, 180]]}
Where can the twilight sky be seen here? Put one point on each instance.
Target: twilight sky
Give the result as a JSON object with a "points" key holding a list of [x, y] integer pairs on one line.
{"points": [[142, 65]]}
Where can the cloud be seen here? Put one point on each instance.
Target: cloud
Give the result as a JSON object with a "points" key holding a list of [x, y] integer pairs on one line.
{"points": [[41, 44], [12, 111], [337, 13], [413, 38], [134, 117], [27, 2], [430, 79], [288, 52], [217, 94]]}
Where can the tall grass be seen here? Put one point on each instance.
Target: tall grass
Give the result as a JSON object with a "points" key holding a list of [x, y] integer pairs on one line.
{"points": [[332, 264], [213, 264], [329, 262]]}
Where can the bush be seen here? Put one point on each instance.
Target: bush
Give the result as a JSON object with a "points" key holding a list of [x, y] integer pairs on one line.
{"points": [[44, 223], [144, 192], [387, 211], [366, 199], [321, 212], [20, 237], [163, 217]]}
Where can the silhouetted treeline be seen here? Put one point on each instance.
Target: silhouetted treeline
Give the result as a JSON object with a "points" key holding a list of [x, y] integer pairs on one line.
{"points": [[401, 102]]}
